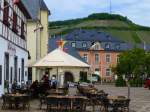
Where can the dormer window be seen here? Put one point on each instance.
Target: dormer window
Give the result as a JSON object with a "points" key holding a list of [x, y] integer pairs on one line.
{"points": [[117, 46], [84, 44], [76, 35], [107, 46], [96, 46], [73, 44]]}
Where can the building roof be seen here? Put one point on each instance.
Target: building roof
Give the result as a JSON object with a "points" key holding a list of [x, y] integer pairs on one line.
{"points": [[23, 8], [90, 35], [52, 44], [34, 6], [59, 58]]}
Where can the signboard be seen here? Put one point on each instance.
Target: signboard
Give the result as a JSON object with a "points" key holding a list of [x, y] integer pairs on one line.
{"points": [[11, 49]]}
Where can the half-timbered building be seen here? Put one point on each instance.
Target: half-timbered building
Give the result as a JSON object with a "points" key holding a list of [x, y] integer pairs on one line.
{"points": [[13, 45]]}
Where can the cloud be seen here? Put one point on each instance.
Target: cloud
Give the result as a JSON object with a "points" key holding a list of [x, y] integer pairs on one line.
{"points": [[136, 10]]}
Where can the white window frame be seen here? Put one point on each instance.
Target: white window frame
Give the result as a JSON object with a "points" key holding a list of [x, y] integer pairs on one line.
{"points": [[85, 57], [108, 73], [97, 61], [73, 44], [109, 58]]}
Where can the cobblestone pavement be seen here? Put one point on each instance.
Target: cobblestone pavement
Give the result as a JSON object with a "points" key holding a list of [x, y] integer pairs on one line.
{"points": [[140, 99]]}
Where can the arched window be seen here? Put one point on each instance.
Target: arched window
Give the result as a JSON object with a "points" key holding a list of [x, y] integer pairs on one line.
{"points": [[96, 46]]}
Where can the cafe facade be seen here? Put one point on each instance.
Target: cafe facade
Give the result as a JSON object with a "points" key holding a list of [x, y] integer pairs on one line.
{"points": [[13, 45]]}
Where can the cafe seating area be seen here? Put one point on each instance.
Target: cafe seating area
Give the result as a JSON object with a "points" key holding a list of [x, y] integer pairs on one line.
{"points": [[16, 101], [59, 99], [105, 101]]}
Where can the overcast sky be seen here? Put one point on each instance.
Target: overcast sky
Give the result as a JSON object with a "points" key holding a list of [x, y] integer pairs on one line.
{"points": [[136, 10]]}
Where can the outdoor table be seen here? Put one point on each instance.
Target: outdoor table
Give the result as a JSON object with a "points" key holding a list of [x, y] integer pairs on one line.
{"points": [[17, 98], [116, 101], [56, 92], [114, 98], [67, 96]]}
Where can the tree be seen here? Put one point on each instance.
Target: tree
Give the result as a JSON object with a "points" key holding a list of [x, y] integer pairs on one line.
{"points": [[133, 64], [147, 65]]}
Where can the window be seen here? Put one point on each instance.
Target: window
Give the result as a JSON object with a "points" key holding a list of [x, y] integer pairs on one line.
{"points": [[11, 75], [97, 47], [6, 66], [83, 76], [19, 74], [22, 30], [118, 58], [85, 57], [22, 70], [108, 72], [97, 69], [108, 58], [96, 58], [15, 68], [6, 13], [117, 46], [0, 74], [15, 22], [73, 44], [84, 44], [107, 46]]}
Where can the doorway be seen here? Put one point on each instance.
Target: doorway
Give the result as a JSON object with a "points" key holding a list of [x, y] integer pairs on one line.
{"points": [[68, 77]]}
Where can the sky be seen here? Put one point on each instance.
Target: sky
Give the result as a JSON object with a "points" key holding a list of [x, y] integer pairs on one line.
{"points": [[137, 11]]}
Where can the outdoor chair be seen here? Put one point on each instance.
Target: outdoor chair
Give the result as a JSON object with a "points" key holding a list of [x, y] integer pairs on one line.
{"points": [[105, 104], [26, 102], [65, 105], [125, 105], [52, 105], [42, 99], [79, 105], [4, 99]]}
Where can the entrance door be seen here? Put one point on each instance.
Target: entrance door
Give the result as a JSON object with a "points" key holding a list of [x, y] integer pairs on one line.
{"points": [[68, 77]]}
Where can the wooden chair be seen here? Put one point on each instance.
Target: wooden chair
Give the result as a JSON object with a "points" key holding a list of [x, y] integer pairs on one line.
{"points": [[26, 102], [42, 99], [65, 105], [52, 104], [79, 105]]}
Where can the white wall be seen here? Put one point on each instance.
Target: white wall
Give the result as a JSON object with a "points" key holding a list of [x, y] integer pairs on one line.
{"points": [[20, 53]]}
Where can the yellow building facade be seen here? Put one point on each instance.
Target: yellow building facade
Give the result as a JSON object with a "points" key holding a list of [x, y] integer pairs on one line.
{"points": [[37, 34]]}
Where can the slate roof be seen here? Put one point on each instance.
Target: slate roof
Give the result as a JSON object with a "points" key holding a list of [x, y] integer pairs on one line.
{"points": [[91, 35], [33, 7], [52, 44], [83, 36]]}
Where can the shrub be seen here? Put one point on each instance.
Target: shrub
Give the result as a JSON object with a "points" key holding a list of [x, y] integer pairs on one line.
{"points": [[120, 82]]}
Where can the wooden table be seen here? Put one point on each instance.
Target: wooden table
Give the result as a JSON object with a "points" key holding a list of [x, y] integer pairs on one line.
{"points": [[116, 101], [67, 96], [17, 98], [114, 98], [56, 92]]}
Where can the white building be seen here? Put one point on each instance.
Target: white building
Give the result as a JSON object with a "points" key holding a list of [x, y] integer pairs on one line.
{"points": [[13, 45]]}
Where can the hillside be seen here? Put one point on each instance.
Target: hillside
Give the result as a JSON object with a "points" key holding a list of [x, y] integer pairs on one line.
{"points": [[114, 24]]}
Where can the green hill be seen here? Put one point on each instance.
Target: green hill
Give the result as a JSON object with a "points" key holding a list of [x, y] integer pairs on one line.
{"points": [[114, 24]]}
